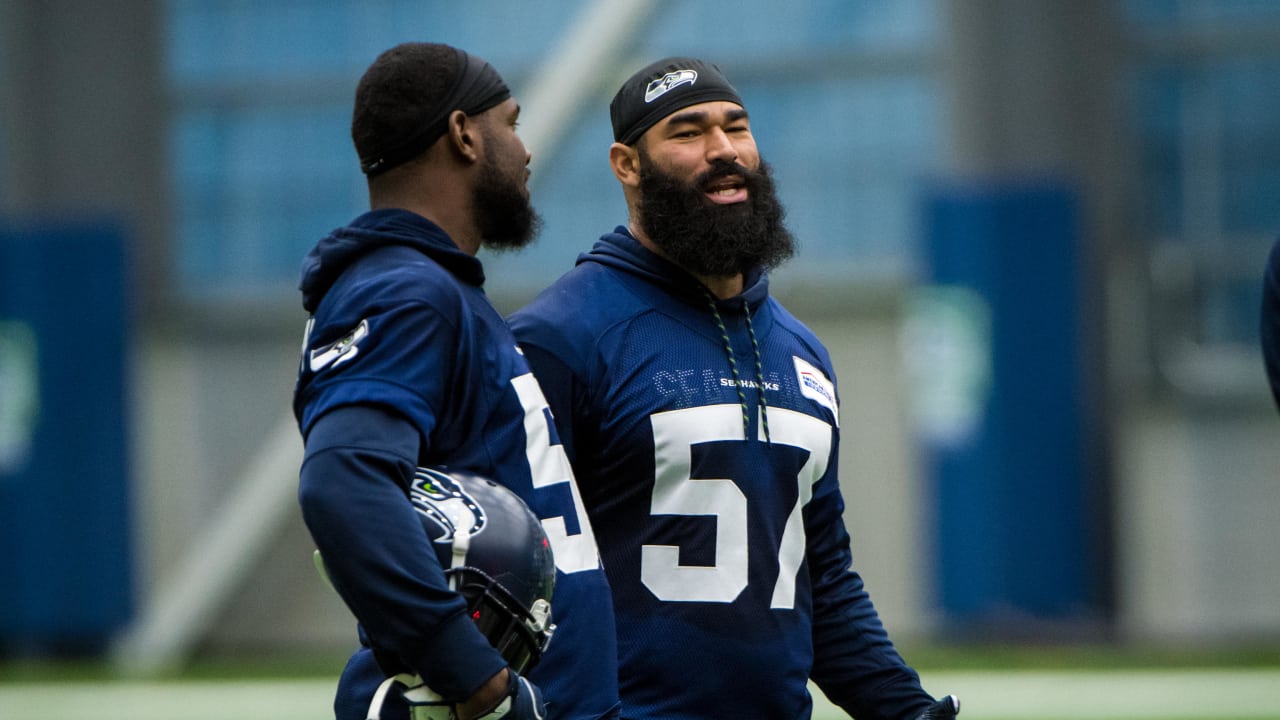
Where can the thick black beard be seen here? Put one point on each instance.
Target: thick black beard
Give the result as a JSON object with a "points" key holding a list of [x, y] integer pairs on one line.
{"points": [[502, 212], [713, 240]]}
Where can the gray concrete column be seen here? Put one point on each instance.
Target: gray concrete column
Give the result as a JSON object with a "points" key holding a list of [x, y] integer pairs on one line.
{"points": [[84, 112]]}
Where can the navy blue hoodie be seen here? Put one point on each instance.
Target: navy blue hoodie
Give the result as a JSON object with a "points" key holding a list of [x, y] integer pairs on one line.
{"points": [[718, 511], [404, 349]]}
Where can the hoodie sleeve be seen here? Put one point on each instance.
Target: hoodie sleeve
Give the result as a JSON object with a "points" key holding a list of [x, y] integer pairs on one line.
{"points": [[401, 356], [358, 463], [855, 662]]}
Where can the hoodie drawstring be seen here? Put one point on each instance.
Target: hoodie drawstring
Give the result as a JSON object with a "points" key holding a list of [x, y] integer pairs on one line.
{"points": [[733, 367]]}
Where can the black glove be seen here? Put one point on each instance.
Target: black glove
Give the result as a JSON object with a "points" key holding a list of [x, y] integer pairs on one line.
{"points": [[522, 702], [947, 707]]}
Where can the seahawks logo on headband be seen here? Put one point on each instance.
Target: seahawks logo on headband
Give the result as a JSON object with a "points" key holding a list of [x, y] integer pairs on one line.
{"points": [[664, 84], [441, 499], [646, 97]]}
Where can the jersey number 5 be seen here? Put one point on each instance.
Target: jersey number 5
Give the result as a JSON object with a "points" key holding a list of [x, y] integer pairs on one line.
{"points": [[550, 466], [675, 492]]}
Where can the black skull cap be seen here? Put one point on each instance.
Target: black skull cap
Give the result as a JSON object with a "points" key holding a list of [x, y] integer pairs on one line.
{"points": [[661, 88]]}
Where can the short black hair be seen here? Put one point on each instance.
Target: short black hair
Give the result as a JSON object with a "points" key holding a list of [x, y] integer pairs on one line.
{"points": [[401, 87]]}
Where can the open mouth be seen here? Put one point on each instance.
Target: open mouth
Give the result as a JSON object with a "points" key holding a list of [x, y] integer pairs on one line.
{"points": [[726, 189]]}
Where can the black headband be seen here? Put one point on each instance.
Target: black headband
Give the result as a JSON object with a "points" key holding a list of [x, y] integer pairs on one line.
{"points": [[662, 88], [477, 88]]}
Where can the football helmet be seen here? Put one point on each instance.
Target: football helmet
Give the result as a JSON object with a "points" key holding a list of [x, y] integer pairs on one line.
{"points": [[495, 554]]}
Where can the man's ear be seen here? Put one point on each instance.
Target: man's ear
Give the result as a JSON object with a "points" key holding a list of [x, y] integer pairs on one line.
{"points": [[464, 136], [625, 161]]}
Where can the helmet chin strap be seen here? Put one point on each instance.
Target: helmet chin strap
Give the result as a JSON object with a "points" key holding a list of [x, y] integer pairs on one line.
{"points": [[461, 543]]}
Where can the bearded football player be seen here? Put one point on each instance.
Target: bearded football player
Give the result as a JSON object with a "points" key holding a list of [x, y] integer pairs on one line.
{"points": [[702, 422]]}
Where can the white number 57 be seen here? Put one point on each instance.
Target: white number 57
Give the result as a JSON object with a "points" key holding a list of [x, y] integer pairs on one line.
{"points": [[676, 493]]}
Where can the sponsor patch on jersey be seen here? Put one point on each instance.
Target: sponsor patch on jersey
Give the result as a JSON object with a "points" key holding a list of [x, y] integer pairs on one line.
{"points": [[664, 84], [340, 351], [815, 386]]}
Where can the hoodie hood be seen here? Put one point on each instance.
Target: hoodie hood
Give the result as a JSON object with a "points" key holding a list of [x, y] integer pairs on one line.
{"points": [[620, 250], [376, 229]]}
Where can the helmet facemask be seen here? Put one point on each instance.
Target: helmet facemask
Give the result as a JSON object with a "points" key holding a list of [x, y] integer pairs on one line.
{"points": [[519, 634]]}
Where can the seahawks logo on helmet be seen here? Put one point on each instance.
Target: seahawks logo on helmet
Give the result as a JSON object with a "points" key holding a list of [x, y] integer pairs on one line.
{"points": [[443, 501], [507, 575]]}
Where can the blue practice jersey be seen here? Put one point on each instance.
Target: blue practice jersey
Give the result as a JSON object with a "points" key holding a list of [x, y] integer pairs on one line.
{"points": [[400, 322], [720, 524]]}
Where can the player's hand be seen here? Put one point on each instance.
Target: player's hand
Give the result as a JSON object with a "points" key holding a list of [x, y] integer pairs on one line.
{"points": [[947, 707], [523, 701]]}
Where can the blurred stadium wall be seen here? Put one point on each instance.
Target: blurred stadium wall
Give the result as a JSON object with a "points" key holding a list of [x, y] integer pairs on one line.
{"points": [[995, 200]]}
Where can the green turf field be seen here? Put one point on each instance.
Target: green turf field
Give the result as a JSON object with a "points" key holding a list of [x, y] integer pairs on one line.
{"points": [[1040, 695], [1172, 694], [1000, 684]]}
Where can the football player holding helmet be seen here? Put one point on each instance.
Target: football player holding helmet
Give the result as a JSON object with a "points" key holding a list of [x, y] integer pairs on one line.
{"points": [[496, 555]]}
